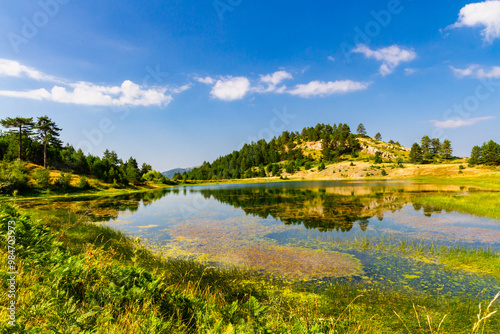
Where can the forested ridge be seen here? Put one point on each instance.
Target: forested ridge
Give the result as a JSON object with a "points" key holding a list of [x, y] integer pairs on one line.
{"points": [[291, 152]]}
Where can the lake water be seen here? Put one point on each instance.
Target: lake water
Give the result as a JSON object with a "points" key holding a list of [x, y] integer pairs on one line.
{"points": [[311, 231]]}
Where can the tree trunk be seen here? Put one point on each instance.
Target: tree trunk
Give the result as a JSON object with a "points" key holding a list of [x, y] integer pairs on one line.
{"points": [[20, 140], [45, 155]]}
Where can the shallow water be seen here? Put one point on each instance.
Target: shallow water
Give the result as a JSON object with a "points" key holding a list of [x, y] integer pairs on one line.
{"points": [[288, 228]]}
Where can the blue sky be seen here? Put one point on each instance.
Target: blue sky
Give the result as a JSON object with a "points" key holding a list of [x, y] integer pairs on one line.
{"points": [[175, 83]]}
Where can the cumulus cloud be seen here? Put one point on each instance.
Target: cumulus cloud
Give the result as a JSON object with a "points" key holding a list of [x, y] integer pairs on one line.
{"points": [[86, 93], [276, 77], [482, 14], [230, 88], [390, 56], [272, 80], [12, 68], [459, 122], [206, 80], [321, 88], [477, 71]]}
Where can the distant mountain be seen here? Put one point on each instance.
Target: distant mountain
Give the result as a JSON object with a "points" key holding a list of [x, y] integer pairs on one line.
{"points": [[170, 173]]}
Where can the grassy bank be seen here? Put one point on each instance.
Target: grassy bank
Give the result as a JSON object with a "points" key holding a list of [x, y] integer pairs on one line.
{"points": [[91, 278], [484, 204]]}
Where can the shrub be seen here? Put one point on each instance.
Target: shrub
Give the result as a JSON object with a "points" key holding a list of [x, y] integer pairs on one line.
{"points": [[42, 178], [461, 167], [13, 176], [63, 181], [384, 173], [83, 183]]}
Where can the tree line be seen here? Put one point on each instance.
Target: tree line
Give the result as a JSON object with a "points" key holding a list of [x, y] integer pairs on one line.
{"points": [[430, 149], [38, 142], [262, 158], [487, 154]]}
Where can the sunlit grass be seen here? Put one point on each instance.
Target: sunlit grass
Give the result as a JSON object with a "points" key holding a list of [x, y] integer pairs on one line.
{"points": [[484, 204]]}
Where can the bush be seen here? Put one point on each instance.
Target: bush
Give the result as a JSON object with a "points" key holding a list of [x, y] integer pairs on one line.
{"points": [[321, 167], [13, 176], [63, 181], [307, 165], [42, 178], [461, 167], [83, 183], [384, 173]]}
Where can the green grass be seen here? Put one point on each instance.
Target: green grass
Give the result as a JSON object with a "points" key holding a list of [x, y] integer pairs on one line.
{"points": [[488, 181], [484, 204], [93, 279]]}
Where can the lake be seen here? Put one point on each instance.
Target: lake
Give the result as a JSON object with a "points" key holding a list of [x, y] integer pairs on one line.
{"points": [[305, 231]]}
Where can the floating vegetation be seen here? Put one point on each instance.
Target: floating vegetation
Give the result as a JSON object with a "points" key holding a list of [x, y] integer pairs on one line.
{"points": [[242, 242]]}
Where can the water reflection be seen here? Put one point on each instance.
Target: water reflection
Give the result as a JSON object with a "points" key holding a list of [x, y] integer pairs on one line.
{"points": [[325, 208], [101, 210], [277, 227]]}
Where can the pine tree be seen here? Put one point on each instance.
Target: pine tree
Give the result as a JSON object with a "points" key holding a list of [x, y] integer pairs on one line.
{"points": [[425, 144], [23, 126], [435, 145], [416, 154], [490, 153], [48, 134], [361, 130], [446, 149], [475, 156], [378, 136]]}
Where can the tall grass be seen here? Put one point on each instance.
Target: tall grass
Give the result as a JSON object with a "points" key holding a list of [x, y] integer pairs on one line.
{"points": [[92, 279], [484, 204]]}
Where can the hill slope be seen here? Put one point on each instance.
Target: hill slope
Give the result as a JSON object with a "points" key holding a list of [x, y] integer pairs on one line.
{"points": [[293, 152]]}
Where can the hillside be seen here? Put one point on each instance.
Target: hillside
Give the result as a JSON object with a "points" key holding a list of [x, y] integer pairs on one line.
{"points": [[320, 152]]}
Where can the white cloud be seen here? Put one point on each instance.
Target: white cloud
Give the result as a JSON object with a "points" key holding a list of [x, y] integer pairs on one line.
{"points": [[410, 71], [477, 71], [206, 80], [272, 80], [177, 90], [276, 77], [37, 94], [459, 122], [321, 88], [230, 88], [390, 56], [86, 93], [330, 58], [11, 68], [482, 14]]}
